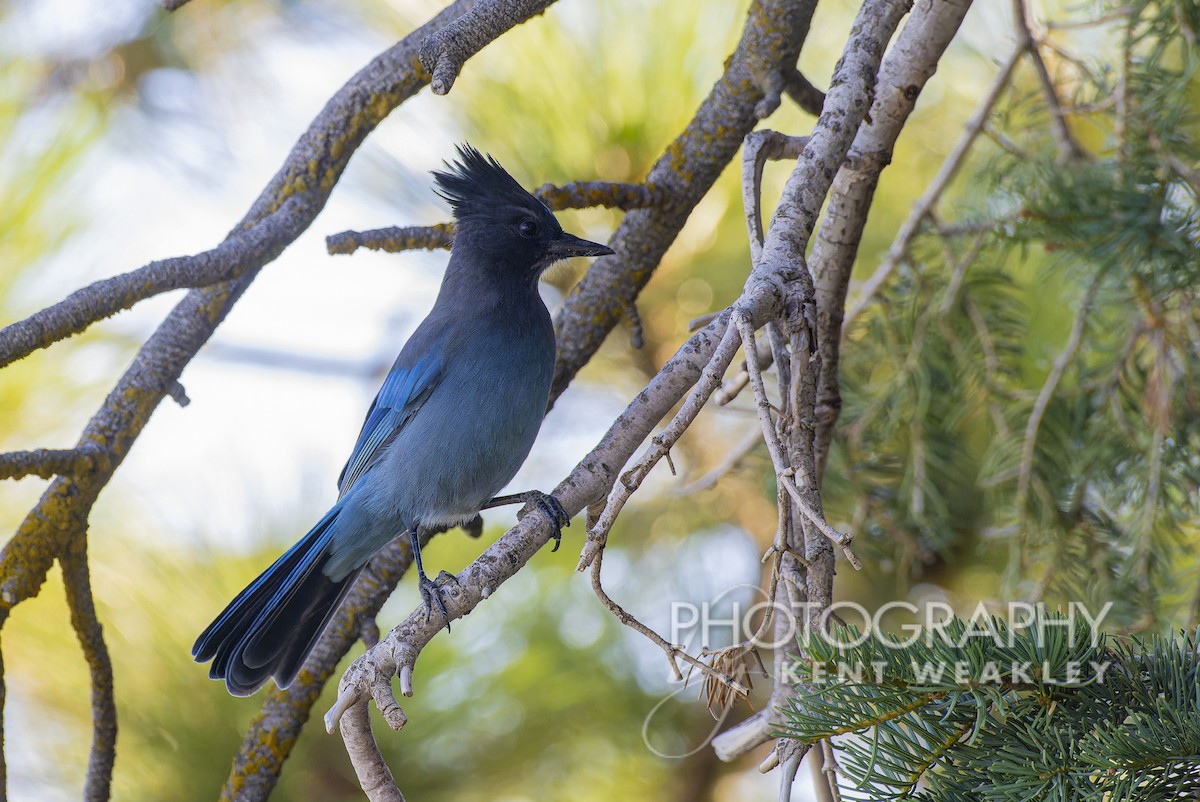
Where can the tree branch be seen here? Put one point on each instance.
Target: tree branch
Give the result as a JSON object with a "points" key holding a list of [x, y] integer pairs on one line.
{"points": [[444, 52], [273, 732], [243, 251], [393, 239], [909, 64], [302, 186], [78, 583], [802, 92], [48, 463], [782, 267], [613, 194], [770, 41], [576, 195], [373, 773]]}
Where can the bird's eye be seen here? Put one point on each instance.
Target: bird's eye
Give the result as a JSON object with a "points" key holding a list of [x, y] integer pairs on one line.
{"points": [[528, 229]]}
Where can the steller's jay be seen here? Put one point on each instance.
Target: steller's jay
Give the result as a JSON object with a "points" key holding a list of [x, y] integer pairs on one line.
{"points": [[452, 423]]}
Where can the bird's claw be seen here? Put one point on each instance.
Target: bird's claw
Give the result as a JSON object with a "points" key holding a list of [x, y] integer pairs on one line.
{"points": [[554, 511], [430, 594]]}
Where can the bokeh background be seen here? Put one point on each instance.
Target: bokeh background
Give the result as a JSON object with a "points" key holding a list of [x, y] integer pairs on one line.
{"points": [[127, 135]]}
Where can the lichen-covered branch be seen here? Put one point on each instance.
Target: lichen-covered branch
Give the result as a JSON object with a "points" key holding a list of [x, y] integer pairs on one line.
{"points": [[78, 583], [584, 194], [272, 734], [393, 239], [576, 195], [802, 92], [445, 51], [244, 250], [47, 463], [770, 43]]}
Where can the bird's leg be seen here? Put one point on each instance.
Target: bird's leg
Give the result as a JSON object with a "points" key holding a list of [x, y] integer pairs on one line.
{"points": [[430, 592], [551, 507]]}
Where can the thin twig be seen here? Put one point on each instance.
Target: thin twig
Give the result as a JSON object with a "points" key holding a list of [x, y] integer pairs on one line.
{"points": [[1074, 339], [672, 651], [732, 458], [802, 92], [783, 471], [1067, 144], [631, 480]]}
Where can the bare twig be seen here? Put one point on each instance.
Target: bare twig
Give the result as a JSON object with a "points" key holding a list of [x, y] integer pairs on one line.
{"points": [[733, 457], [631, 480], [783, 470], [672, 651]]}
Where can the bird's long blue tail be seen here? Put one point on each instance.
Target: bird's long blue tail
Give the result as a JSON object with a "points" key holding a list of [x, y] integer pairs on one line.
{"points": [[272, 625]]}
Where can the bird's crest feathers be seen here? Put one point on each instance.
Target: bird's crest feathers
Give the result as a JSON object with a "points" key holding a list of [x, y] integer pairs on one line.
{"points": [[476, 184]]}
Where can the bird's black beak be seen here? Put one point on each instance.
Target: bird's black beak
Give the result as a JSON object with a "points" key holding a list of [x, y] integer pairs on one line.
{"points": [[568, 245]]}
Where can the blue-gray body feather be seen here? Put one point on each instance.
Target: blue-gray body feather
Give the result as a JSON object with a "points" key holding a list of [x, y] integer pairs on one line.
{"points": [[451, 425], [483, 404]]}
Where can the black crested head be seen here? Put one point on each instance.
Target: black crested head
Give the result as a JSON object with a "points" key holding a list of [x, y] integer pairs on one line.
{"points": [[511, 231], [477, 185]]}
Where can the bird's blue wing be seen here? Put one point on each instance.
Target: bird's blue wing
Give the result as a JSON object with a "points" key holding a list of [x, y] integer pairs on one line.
{"points": [[402, 394]]}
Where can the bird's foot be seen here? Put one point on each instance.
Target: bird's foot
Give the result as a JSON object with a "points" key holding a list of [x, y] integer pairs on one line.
{"points": [[552, 508], [431, 594]]}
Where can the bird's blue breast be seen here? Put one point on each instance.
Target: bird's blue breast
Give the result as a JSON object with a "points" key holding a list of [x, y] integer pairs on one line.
{"points": [[472, 431]]}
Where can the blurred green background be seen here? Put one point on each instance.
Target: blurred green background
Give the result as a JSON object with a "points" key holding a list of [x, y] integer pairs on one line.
{"points": [[127, 134]]}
